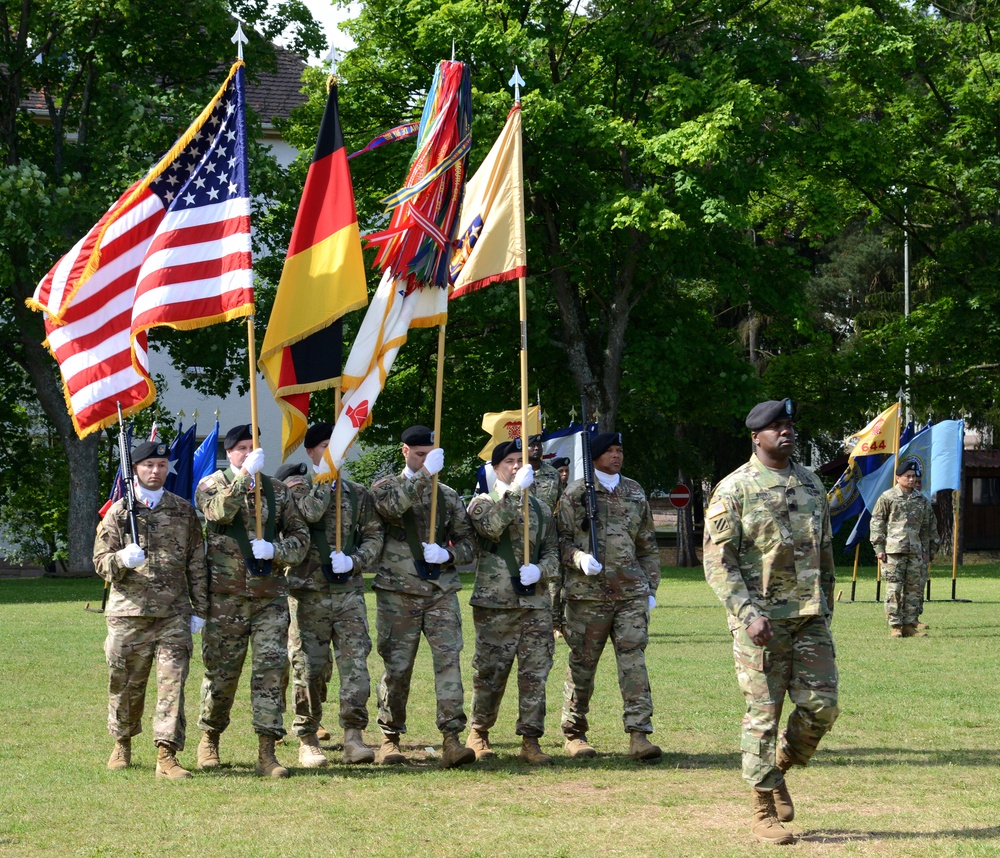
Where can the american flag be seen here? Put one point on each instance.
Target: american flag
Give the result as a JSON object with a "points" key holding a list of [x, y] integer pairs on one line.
{"points": [[173, 250]]}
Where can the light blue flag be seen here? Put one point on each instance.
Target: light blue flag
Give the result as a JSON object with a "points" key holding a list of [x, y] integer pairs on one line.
{"points": [[946, 455], [204, 459]]}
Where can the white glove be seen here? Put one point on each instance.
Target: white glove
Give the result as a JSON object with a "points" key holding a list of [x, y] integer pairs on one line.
{"points": [[434, 461], [197, 624], [132, 556], [530, 574], [588, 565], [254, 461], [652, 602], [342, 563], [525, 476], [434, 553], [262, 549]]}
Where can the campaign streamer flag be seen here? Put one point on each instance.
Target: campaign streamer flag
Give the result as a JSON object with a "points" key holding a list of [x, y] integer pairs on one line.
{"points": [[492, 246], [414, 252], [205, 459], [504, 426], [173, 250], [323, 278]]}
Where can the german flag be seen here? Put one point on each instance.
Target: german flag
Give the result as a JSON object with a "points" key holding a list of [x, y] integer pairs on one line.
{"points": [[323, 279]]}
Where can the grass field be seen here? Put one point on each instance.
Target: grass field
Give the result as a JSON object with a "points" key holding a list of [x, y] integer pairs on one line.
{"points": [[911, 768]]}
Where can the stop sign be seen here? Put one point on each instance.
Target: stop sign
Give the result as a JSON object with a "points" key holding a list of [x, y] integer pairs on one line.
{"points": [[680, 496]]}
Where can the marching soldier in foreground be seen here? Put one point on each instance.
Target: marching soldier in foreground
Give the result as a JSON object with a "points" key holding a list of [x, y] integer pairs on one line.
{"points": [[327, 605], [159, 597], [248, 597], [416, 590], [510, 604], [609, 596], [904, 536], [768, 556]]}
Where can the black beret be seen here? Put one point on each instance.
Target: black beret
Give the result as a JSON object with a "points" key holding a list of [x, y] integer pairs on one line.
{"points": [[502, 451], [909, 465], [289, 470], [237, 434], [534, 439], [561, 462], [149, 450], [316, 433], [600, 443], [418, 436], [766, 413]]}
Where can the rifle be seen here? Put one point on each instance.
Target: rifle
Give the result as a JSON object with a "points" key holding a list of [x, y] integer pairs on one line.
{"points": [[589, 481], [128, 493]]}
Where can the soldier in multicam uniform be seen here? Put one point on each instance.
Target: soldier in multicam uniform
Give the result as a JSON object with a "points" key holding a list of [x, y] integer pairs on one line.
{"points": [[327, 605], [608, 596], [248, 597], [768, 555], [549, 487], [548, 484], [416, 590], [158, 599], [510, 604], [904, 535]]}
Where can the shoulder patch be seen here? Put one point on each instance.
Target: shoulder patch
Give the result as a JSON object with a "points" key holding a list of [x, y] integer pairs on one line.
{"points": [[715, 510], [292, 482]]}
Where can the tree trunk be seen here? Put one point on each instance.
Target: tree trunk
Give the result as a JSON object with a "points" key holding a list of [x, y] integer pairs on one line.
{"points": [[81, 455], [687, 555]]}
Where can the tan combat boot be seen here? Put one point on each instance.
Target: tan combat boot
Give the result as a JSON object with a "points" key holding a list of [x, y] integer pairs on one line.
{"points": [[640, 748], [208, 750], [911, 631], [355, 749], [323, 734], [389, 754], [121, 754], [783, 806], [479, 743], [167, 765], [895, 631], [765, 826], [532, 753], [267, 764], [577, 746], [920, 625], [454, 753], [311, 755]]}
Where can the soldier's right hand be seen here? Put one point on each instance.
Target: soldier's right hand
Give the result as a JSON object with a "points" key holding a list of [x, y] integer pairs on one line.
{"points": [[434, 461], [254, 461], [588, 565], [524, 477], [759, 631], [342, 563], [132, 556]]}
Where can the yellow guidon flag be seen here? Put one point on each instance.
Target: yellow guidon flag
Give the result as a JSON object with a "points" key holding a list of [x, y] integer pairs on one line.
{"points": [[505, 426], [323, 278], [878, 437]]}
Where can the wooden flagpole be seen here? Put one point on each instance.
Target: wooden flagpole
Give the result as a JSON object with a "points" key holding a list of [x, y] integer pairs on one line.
{"points": [[438, 397], [338, 494], [522, 295], [252, 351]]}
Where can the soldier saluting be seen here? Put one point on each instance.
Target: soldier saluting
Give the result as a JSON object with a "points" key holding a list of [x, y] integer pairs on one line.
{"points": [[768, 555]]}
